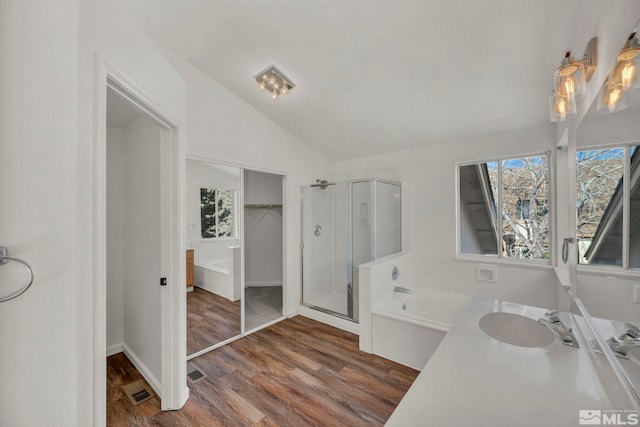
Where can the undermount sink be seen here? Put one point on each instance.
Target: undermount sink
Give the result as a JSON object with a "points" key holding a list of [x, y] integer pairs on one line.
{"points": [[516, 330]]}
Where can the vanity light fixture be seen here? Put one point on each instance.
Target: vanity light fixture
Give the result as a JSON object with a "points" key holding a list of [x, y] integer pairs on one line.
{"points": [[623, 77], [274, 81], [570, 79]]}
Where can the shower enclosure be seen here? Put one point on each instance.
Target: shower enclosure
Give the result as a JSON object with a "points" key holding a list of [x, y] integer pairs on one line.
{"points": [[345, 224]]}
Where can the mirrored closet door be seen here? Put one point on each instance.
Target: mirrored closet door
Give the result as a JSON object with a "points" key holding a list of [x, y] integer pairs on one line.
{"points": [[234, 252], [213, 221]]}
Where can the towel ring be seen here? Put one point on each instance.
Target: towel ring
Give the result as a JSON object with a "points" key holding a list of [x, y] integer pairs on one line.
{"points": [[5, 259]]}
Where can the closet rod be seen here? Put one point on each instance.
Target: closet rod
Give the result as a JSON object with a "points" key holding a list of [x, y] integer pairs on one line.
{"points": [[262, 206]]}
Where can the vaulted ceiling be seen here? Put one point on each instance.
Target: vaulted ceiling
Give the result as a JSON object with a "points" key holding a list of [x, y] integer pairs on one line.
{"points": [[375, 76]]}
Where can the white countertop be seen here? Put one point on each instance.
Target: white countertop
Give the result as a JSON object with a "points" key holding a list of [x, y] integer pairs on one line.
{"points": [[474, 380]]}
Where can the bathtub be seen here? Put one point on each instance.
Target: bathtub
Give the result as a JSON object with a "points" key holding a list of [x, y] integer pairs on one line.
{"points": [[220, 276], [409, 327]]}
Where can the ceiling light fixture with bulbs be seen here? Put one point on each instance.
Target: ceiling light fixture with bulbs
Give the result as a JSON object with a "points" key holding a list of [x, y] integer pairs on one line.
{"points": [[570, 80], [274, 81], [622, 78]]}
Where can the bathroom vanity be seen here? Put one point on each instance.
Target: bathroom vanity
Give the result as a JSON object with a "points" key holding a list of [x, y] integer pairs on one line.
{"points": [[474, 379]]}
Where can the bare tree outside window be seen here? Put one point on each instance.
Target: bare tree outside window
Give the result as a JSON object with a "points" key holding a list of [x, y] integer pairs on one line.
{"points": [[599, 205], [521, 220], [525, 208]]}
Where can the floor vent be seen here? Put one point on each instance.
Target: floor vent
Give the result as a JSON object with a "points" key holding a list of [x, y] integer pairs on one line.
{"points": [[195, 374], [138, 392]]}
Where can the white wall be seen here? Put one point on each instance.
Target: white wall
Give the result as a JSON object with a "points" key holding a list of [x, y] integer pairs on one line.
{"points": [[222, 127], [116, 167], [428, 213], [133, 243], [143, 246], [318, 210], [38, 211], [202, 175], [105, 31]]}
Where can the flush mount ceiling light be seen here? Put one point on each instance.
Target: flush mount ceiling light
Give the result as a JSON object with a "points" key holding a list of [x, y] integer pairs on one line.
{"points": [[622, 78], [274, 81], [570, 79]]}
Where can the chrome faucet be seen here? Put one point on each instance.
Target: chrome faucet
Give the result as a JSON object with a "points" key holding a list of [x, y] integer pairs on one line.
{"points": [[554, 323], [624, 342], [402, 290]]}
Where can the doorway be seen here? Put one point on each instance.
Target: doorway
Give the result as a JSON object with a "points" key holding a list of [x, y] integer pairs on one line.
{"points": [[138, 267]]}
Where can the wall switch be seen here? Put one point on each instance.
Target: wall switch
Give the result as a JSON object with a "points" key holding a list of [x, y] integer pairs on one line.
{"points": [[636, 293]]}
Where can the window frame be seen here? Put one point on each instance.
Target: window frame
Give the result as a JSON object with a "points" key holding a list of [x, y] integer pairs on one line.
{"points": [[625, 270], [499, 258], [233, 215]]}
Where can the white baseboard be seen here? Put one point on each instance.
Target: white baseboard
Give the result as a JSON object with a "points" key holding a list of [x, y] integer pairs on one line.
{"points": [[115, 349], [327, 319], [142, 368]]}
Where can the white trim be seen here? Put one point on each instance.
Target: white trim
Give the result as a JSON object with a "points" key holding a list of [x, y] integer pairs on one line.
{"points": [[213, 347], [173, 298], [265, 325], [507, 262], [115, 349], [142, 368], [603, 271], [242, 166]]}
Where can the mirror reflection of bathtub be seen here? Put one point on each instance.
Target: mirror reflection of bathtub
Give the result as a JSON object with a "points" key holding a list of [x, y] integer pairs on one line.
{"points": [[220, 276]]}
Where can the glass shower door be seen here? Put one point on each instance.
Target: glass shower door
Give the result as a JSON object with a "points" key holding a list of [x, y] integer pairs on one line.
{"points": [[326, 252]]}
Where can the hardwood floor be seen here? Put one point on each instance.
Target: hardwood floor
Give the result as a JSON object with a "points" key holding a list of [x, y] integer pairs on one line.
{"points": [[297, 372], [210, 319]]}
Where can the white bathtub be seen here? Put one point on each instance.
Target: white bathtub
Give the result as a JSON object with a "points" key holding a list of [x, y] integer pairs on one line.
{"points": [[220, 276], [409, 327]]}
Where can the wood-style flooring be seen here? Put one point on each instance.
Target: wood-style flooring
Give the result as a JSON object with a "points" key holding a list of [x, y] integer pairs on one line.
{"points": [[210, 319], [297, 372]]}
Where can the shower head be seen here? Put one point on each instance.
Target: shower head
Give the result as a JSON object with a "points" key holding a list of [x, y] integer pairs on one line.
{"points": [[322, 183]]}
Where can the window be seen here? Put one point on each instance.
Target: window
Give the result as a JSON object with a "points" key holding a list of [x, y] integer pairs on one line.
{"points": [[217, 213], [505, 201], [608, 206]]}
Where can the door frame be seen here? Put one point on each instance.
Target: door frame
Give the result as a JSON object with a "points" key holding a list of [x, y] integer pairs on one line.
{"points": [[174, 391]]}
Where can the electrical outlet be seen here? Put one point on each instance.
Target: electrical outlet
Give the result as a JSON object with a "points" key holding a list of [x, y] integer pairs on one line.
{"points": [[636, 293]]}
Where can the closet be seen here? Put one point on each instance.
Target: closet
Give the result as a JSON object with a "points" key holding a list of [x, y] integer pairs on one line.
{"points": [[263, 243]]}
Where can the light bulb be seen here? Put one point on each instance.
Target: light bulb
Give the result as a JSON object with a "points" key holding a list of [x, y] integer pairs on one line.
{"points": [[628, 74], [569, 86], [285, 89], [276, 85], [561, 107], [612, 97], [263, 85], [274, 94]]}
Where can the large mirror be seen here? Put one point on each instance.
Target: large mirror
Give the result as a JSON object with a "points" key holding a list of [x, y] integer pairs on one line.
{"points": [[608, 217], [503, 208], [213, 254]]}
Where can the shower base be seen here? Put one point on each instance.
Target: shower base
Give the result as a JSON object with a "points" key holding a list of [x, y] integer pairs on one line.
{"points": [[335, 302]]}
